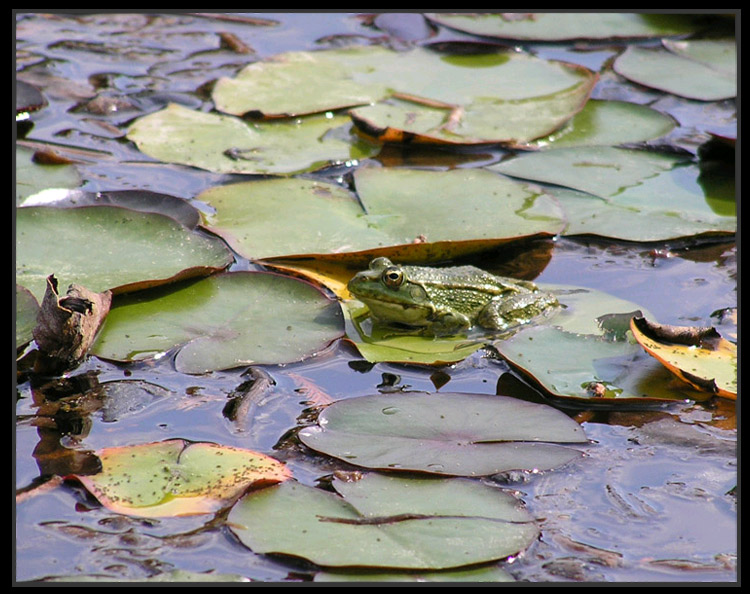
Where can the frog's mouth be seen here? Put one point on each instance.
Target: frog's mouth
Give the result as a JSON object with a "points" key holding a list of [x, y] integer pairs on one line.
{"points": [[399, 312]]}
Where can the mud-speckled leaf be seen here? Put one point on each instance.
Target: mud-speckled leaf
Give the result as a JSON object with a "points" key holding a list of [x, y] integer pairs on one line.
{"points": [[223, 321], [678, 74], [699, 356], [647, 183], [178, 478], [106, 247], [449, 434], [385, 522], [227, 144], [558, 26]]}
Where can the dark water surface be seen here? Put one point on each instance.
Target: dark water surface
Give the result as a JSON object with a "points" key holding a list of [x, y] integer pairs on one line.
{"points": [[650, 501]]}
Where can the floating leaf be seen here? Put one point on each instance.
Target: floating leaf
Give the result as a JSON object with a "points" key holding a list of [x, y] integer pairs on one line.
{"points": [[177, 477], [223, 321], [644, 182], [466, 210], [559, 26], [490, 573], [381, 521], [608, 123], [27, 308], [601, 364], [680, 74], [700, 356], [453, 434], [227, 144], [105, 247], [32, 177]]}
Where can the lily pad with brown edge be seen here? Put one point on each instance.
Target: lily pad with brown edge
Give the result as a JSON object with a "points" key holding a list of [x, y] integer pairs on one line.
{"points": [[666, 186], [560, 26], [385, 522], [227, 144], [406, 214], [699, 356], [453, 104], [445, 434], [601, 364], [107, 247], [178, 478], [223, 321], [488, 573], [702, 70]]}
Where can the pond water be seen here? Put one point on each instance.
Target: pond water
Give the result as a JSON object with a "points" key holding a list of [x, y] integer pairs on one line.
{"points": [[652, 499]]}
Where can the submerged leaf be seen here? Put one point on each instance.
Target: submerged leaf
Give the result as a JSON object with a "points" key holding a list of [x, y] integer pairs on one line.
{"points": [[178, 478], [700, 356], [453, 434], [386, 522]]}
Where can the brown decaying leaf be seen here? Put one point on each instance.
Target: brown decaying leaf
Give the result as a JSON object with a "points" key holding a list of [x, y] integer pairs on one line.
{"points": [[67, 325]]}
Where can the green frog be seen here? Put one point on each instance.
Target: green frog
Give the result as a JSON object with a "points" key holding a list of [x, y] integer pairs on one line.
{"points": [[444, 301]]}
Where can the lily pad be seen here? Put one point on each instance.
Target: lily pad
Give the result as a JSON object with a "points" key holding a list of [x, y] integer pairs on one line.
{"points": [[385, 522], [699, 356], [559, 26], [602, 363], [32, 177], [451, 434], [490, 573], [222, 321], [465, 210], [178, 478], [226, 144], [644, 182], [491, 108], [608, 123], [706, 79], [27, 308], [105, 247]]}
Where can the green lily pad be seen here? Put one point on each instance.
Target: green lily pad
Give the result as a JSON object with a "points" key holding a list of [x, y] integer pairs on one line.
{"points": [[106, 247], [643, 182], [680, 74], [27, 308], [608, 123], [178, 478], [602, 363], [223, 321], [490, 573], [493, 107], [32, 177], [559, 26], [387, 522], [451, 434], [226, 144], [464, 210]]}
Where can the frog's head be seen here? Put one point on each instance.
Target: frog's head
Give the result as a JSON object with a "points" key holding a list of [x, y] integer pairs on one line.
{"points": [[391, 295]]}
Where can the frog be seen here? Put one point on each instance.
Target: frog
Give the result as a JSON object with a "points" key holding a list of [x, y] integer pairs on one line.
{"points": [[447, 300]]}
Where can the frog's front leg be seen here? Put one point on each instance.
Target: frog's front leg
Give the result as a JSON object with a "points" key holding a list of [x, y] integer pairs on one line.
{"points": [[505, 312], [447, 323]]}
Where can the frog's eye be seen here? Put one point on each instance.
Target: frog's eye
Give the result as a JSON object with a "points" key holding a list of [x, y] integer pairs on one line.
{"points": [[393, 278]]}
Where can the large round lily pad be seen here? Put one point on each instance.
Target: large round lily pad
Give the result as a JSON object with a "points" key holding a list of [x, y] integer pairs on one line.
{"points": [[453, 434], [106, 247], [177, 478], [223, 321], [387, 522], [226, 144], [558, 26]]}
